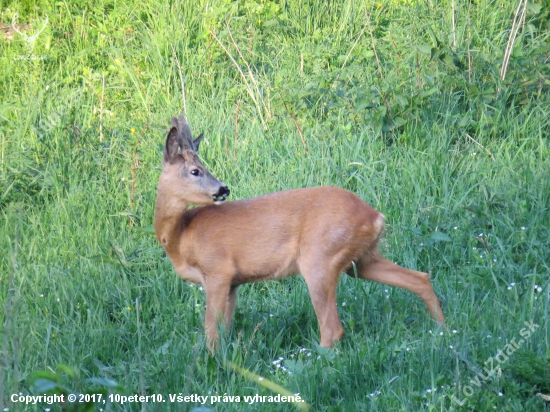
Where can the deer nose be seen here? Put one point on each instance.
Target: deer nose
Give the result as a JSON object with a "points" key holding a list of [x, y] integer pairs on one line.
{"points": [[224, 191]]}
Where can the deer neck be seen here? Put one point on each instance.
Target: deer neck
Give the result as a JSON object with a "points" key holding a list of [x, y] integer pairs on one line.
{"points": [[168, 221]]}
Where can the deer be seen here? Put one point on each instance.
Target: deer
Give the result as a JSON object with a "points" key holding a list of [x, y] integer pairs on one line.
{"points": [[318, 232]]}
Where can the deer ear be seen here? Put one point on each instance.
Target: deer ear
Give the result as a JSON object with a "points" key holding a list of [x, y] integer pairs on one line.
{"points": [[172, 145], [197, 142]]}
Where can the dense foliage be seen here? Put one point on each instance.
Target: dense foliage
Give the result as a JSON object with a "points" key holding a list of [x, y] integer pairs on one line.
{"points": [[435, 112]]}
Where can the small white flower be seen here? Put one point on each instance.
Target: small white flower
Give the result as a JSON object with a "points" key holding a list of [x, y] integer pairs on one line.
{"points": [[47, 87], [523, 228], [456, 227], [500, 394], [440, 333], [513, 284], [454, 331], [489, 336], [343, 303]]}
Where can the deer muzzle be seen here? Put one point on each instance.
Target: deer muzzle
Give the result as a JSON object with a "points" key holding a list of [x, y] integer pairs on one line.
{"points": [[222, 194]]}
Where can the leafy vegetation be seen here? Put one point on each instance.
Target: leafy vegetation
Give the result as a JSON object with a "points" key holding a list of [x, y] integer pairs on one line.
{"points": [[533, 370], [402, 102]]}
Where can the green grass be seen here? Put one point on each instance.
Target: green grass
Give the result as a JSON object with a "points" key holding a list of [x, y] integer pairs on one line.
{"points": [[84, 283]]}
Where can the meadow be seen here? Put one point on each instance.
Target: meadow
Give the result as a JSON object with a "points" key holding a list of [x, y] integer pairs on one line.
{"points": [[437, 113]]}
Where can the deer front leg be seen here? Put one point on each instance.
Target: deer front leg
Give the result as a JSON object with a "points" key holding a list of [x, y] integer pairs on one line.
{"points": [[217, 302], [230, 308]]}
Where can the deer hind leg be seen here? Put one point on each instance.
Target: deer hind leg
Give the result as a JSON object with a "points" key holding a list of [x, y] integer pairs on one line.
{"points": [[321, 283], [382, 270], [218, 300]]}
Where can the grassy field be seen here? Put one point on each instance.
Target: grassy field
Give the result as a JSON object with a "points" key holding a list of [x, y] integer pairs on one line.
{"points": [[412, 105]]}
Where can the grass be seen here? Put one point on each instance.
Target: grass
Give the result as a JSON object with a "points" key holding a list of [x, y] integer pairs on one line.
{"points": [[82, 125]]}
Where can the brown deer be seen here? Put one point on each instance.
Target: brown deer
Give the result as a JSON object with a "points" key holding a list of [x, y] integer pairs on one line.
{"points": [[319, 232]]}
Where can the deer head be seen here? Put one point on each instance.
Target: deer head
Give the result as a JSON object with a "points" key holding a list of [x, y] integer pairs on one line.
{"points": [[184, 178]]}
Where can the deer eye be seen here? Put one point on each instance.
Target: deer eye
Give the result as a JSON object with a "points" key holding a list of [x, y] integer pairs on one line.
{"points": [[195, 172]]}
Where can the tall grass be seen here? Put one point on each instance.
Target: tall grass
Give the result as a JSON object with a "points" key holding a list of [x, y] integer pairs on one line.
{"points": [[84, 283]]}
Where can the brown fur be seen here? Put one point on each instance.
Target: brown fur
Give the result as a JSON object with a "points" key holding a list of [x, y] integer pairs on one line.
{"points": [[316, 231]]}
